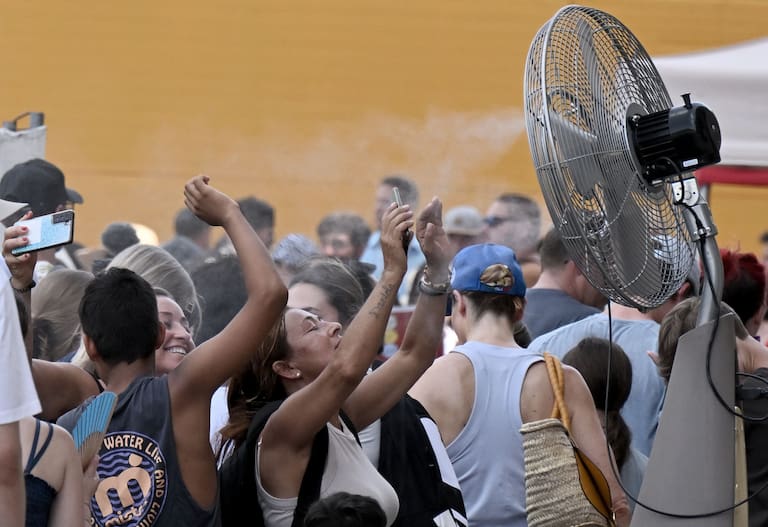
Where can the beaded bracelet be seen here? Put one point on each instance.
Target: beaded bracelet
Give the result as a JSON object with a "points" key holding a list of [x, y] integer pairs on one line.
{"points": [[428, 288], [25, 289]]}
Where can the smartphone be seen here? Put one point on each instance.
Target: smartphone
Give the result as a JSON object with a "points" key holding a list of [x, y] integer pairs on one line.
{"points": [[51, 230], [408, 234], [396, 194]]}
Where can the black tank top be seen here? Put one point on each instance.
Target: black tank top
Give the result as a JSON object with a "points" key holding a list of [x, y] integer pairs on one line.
{"points": [[40, 494]]}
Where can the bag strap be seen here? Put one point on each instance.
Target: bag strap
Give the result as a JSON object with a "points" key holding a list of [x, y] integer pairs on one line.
{"points": [[556, 379], [309, 491]]}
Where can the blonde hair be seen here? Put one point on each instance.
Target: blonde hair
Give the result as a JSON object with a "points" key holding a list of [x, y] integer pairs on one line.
{"points": [[55, 316], [158, 267]]}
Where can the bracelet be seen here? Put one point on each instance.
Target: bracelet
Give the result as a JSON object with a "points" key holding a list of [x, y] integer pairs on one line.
{"points": [[24, 289], [428, 288]]}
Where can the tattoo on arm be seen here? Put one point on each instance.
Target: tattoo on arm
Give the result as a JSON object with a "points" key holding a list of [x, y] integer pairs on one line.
{"points": [[376, 311]]}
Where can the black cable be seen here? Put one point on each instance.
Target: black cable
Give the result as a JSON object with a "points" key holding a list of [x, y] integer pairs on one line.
{"points": [[614, 468], [710, 348]]}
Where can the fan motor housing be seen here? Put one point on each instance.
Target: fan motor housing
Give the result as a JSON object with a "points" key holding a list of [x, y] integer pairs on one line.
{"points": [[677, 140]]}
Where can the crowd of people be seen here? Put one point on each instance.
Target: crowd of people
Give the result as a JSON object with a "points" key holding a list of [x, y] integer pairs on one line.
{"points": [[259, 379]]}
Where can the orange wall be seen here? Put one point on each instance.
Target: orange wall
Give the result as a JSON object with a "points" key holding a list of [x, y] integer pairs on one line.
{"points": [[305, 103]]}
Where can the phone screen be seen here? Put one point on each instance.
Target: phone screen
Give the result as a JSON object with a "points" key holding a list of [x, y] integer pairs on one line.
{"points": [[48, 231]]}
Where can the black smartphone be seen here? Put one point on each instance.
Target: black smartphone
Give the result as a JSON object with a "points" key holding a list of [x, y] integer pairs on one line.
{"points": [[408, 234], [51, 230]]}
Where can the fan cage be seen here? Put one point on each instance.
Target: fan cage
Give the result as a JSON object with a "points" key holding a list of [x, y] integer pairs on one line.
{"points": [[586, 74]]}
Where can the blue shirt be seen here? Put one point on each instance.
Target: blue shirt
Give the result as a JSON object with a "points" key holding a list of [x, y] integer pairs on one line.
{"points": [[637, 338]]}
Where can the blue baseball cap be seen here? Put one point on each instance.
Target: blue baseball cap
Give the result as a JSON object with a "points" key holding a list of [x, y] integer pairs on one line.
{"points": [[488, 268]]}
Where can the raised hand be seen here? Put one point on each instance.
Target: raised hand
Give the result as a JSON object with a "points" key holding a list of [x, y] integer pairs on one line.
{"points": [[210, 205], [394, 226], [22, 267], [433, 240]]}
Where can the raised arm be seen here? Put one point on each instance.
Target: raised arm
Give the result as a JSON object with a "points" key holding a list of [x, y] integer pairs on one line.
{"points": [[306, 411], [381, 389], [60, 386], [214, 361]]}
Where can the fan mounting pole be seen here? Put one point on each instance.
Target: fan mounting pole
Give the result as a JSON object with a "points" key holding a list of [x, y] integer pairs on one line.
{"points": [[691, 468]]}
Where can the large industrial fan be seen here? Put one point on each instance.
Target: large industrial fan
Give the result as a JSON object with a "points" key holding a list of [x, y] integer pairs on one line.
{"points": [[615, 161]]}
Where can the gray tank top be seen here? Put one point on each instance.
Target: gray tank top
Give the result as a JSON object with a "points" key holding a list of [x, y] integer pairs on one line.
{"points": [[487, 455]]}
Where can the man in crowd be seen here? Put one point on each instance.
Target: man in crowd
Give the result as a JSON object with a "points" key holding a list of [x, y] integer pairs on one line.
{"points": [[409, 193], [562, 294]]}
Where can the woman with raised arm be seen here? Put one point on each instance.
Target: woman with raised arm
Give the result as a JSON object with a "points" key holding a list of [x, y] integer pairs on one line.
{"points": [[317, 388], [156, 464]]}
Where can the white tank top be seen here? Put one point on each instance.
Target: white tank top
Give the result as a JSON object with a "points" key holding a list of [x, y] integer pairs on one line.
{"points": [[347, 469]]}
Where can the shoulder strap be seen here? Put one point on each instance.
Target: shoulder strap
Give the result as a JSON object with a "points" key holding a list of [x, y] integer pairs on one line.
{"points": [[352, 428], [237, 482], [309, 491], [555, 371], [34, 454]]}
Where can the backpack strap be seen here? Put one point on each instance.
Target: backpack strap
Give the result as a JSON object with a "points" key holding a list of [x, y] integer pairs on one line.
{"points": [[309, 491], [237, 481]]}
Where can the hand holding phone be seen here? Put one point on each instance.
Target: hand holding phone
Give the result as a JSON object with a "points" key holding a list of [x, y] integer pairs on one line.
{"points": [[407, 234], [44, 232]]}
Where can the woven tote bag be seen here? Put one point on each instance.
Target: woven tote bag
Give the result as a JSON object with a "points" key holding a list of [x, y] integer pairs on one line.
{"points": [[563, 488]]}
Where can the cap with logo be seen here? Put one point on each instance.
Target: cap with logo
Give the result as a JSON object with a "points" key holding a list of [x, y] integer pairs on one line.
{"points": [[488, 268]]}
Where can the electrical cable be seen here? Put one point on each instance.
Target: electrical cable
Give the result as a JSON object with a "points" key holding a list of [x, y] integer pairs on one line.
{"points": [[722, 401]]}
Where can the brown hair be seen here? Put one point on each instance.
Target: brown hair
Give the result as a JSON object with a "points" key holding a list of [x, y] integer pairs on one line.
{"points": [[505, 305], [681, 319], [255, 385]]}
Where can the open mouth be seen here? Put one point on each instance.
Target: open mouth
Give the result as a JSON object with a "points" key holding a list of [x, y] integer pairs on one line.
{"points": [[176, 349]]}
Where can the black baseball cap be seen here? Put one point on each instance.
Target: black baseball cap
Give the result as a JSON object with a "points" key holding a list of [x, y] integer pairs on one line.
{"points": [[39, 183]]}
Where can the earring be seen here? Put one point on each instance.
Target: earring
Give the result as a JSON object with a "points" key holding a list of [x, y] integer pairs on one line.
{"points": [[298, 374]]}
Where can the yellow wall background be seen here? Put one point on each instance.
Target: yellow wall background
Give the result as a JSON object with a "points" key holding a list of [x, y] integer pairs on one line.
{"points": [[308, 103]]}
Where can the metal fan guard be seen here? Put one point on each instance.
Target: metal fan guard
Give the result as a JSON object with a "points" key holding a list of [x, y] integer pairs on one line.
{"points": [[584, 72]]}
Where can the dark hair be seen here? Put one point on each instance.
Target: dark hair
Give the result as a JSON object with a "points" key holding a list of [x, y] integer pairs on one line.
{"points": [[552, 251], [337, 281], [254, 386], [348, 223], [679, 320], [23, 312], [259, 213], [187, 224], [363, 271], [186, 252], [744, 283], [118, 312], [343, 509], [118, 236], [221, 286], [590, 357], [506, 305], [409, 192]]}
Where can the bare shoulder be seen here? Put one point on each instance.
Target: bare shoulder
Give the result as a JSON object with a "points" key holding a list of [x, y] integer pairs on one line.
{"points": [[447, 370], [447, 392], [536, 397]]}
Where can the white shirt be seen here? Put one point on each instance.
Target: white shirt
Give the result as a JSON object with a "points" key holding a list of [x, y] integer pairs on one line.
{"points": [[18, 396]]}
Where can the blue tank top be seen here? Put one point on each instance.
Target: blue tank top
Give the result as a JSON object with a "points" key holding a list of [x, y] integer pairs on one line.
{"points": [[141, 484], [40, 494], [487, 455]]}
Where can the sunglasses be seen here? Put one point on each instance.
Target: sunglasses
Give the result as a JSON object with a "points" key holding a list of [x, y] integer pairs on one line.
{"points": [[494, 221]]}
